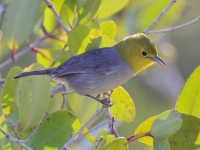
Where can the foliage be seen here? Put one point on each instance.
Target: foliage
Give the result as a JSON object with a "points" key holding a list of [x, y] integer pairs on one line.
{"points": [[188, 127], [25, 101]]}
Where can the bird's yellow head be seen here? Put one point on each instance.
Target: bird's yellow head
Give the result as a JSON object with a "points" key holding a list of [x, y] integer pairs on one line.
{"points": [[138, 51]]}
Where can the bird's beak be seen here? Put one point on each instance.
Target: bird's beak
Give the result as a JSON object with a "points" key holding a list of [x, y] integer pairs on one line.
{"points": [[158, 60]]}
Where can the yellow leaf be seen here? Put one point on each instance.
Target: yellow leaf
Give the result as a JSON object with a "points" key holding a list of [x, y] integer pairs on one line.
{"points": [[143, 128], [123, 108], [88, 136]]}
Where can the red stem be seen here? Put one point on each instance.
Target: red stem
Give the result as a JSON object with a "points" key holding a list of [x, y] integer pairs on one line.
{"points": [[135, 137], [37, 50]]}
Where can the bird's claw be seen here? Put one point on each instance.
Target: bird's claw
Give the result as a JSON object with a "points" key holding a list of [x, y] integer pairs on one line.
{"points": [[106, 102]]}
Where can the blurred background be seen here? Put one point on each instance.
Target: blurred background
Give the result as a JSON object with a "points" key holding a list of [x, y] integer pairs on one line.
{"points": [[155, 89]]}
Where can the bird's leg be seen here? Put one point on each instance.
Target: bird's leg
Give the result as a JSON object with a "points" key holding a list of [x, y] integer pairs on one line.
{"points": [[105, 101], [108, 94], [106, 98], [96, 98]]}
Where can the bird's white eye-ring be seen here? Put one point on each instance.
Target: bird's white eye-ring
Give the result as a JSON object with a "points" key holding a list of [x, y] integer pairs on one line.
{"points": [[144, 53]]}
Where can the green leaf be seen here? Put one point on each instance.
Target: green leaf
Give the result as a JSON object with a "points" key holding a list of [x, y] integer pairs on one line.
{"points": [[19, 20], [117, 144], [188, 136], [105, 139], [100, 42], [105, 41], [166, 124], [77, 102], [95, 29], [8, 123], [109, 138], [189, 99], [80, 3], [32, 98], [78, 39], [55, 130], [67, 12], [143, 128], [109, 28], [110, 7], [47, 57], [102, 134], [49, 20], [95, 43], [8, 93], [123, 109], [11, 121], [161, 144], [89, 11]]}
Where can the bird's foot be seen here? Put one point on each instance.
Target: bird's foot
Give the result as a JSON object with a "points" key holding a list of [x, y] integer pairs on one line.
{"points": [[105, 100]]}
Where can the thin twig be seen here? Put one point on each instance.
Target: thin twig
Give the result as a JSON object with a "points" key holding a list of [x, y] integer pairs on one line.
{"points": [[59, 88], [72, 139], [98, 142], [91, 130], [163, 12], [50, 5], [176, 27], [111, 121], [64, 97], [56, 89], [109, 117], [57, 56], [22, 142], [21, 53], [25, 51], [134, 137], [36, 129], [37, 50], [51, 36], [14, 140]]}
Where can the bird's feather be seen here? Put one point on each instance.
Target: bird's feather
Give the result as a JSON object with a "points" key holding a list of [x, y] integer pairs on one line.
{"points": [[94, 61]]}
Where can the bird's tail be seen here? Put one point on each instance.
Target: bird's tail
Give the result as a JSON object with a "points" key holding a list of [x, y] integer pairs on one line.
{"points": [[36, 72]]}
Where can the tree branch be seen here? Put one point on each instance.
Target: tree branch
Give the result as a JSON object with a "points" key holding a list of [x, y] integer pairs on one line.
{"points": [[163, 12], [176, 27], [50, 5], [14, 140], [57, 56], [78, 133], [25, 51], [36, 128], [91, 130], [21, 142]]}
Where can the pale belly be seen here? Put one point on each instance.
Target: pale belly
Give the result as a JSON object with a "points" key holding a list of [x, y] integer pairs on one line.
{"points": [[96, 83]]}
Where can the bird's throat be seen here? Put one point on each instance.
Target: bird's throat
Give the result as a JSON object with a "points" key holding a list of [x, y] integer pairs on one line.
{"points": [[133, 59]]}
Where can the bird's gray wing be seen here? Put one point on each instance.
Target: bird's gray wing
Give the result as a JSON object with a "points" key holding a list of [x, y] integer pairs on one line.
{"points": [[104, 60]]}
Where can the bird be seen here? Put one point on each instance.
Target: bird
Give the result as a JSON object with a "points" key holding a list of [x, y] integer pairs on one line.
{"points": [[100, 70]]}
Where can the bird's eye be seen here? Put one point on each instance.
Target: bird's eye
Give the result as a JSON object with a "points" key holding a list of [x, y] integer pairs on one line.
{"points": [[144, 53]]}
